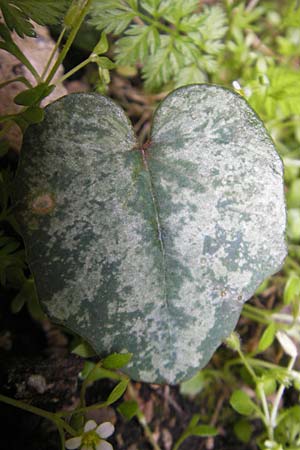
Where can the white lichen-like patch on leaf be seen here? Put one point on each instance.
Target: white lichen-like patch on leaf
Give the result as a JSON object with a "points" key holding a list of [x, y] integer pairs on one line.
{"points": [[155, 250]]}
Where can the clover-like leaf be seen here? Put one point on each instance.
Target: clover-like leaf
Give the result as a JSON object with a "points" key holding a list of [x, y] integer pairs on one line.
{"points": [[151, 251]]}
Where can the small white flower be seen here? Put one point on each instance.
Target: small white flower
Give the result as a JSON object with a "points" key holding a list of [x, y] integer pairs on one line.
{"points": [[93, 437], [287, 344], [236, 85]]}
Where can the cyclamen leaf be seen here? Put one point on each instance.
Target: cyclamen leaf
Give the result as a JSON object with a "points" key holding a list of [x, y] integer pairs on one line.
{"points": [[151, 251]]}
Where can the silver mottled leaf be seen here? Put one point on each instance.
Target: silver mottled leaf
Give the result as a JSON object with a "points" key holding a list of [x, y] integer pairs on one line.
{"points": [[151, 251]]}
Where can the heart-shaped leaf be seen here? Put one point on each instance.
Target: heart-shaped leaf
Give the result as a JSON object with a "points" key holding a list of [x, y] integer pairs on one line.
{"points": [[151, 251]]}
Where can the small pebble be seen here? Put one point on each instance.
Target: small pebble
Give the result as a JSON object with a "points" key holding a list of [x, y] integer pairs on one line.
{"points": [[38, 383]]}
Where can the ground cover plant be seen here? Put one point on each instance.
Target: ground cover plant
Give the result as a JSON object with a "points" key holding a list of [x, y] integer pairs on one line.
{"points": [[136, 53]]}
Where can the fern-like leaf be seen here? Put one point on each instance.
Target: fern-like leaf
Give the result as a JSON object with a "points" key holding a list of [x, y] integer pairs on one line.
{"points": [[113, 16], [19, 13], [137, 43]]}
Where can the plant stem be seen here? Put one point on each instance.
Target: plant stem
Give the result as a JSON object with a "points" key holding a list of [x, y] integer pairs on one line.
{"points": [[248, 366], [62, 437], [5, 128], [292, 263], [266, 411], [69, 41], [86, 383], [74, 70], [54, 50], [16, 80], [142, 420], [82, 410], [179, 442], [274, 413], [264, 364], [255, 314], [39, 412]]}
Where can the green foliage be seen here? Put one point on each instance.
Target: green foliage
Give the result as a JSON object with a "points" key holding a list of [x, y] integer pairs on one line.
{"points": [[19, 13], [195, 429], [128, 409], [83, 349], [267, 338], [276, 92], [292, 289], [243, 430], [292, 14], [33, 95], [117, 360], [194, 385], [288, 431], [242, 403], [117, 392], [173, 41]]}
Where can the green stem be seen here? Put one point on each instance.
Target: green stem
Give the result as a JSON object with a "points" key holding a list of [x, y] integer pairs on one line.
{"points": [[69, 41], [16, 80], [62, 437], [142, 420], [54, 50], [179, 442], [274, 413], [264, 364], [81, 410], [255, 315], [86, 383], [74, 70], [6, 127], [265, 416], [292, 263], [266, 411], [39, 412], [257, 311], [248, 366]]}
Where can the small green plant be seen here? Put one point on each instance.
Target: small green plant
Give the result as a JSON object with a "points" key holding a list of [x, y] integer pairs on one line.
{"points": [[73, 423], [173, 41], [17, 15]]}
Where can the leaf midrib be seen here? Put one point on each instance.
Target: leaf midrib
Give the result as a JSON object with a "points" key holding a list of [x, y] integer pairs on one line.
{"points": [[161, 241]]}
